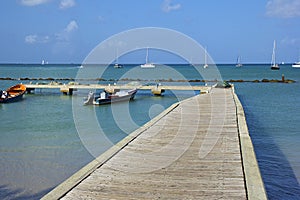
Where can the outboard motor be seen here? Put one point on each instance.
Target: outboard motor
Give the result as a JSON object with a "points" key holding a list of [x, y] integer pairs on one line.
{"points": [[90, 99]]}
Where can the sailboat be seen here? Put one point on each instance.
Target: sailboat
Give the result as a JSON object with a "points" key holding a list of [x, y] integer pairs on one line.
{"points": [[274, 65], [44, 62], [147, 64], [238, 62], [205, 59], [117, 65]]}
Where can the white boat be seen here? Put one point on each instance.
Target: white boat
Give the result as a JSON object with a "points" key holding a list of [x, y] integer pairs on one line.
{"points": [[117, 65], [106, 98], [296, 64], [238, 62], [274, 65], [43, 62], [205, 59], [147, 64]]}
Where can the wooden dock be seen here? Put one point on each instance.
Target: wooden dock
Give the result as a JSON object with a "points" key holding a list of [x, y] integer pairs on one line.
{"points": [[156, 89], [196, 149]]}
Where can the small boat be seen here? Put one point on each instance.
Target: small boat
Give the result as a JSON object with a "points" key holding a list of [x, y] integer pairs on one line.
{"points": [[147, 64], [117, 65], [205, 59], [296, 64], [107, 98], [274, 65], [238, 62], [12, 94]]}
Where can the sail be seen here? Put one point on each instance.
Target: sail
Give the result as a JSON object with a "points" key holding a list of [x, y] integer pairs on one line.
{"points": [[205, 59], [238, 62], [273, 62], [147, 64]]}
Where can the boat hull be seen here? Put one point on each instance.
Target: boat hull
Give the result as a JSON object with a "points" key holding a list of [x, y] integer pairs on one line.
{"points": [[91, 100], [148, 65], [118, 66], [296, 65], [275, 67], [13, 94]]}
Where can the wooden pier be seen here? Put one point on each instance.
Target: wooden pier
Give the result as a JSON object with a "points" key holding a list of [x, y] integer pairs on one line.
{"points": [[155, 89], [196, 149]]}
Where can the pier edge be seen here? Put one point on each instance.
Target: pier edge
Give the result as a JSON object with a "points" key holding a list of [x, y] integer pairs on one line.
{"points": [[253, 180]]}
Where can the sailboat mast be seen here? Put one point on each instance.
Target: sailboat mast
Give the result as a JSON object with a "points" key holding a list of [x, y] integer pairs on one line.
{"points": [[273, 64], [205, 57], [273, 54], [147, 56], [117, 56]]}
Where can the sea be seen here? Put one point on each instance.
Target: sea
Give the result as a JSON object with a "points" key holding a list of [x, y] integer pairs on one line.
{"points": [[48, 136]]}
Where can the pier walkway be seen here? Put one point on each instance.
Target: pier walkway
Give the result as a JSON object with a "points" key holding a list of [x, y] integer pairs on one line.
{"points": [[196, 149], [68, 88]]}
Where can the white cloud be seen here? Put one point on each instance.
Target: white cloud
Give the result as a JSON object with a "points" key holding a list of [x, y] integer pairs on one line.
{"points": [[290, 41], [71, 26], [64, 4], [167, 6], [32, 39], [283, 8], [33, 2], [65, 34]]}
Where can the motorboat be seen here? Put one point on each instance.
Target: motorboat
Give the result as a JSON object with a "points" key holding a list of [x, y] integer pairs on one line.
{"points": [[296, 64], [107, 98]]}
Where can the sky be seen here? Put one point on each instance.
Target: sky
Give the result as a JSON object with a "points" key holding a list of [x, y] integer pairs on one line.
{"points": [[65, 31]]}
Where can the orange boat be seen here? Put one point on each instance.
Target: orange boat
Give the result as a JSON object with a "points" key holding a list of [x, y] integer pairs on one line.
{"points": [[12, 94]]}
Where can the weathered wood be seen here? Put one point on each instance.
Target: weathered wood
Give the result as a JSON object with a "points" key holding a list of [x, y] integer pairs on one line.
{"points": [[190, 152], [66, 88]]}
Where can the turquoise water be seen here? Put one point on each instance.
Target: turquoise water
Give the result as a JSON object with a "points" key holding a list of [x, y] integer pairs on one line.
{"points": [[40, 146]]}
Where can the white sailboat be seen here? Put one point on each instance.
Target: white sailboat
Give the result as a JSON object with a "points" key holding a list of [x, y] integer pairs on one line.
{"points": [[205, 59], [274, 65], [238, 62], [147, 64], [117, 65]]}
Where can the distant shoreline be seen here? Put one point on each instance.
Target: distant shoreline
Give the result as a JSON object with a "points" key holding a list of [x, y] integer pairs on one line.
{"points": [[55, 80]]}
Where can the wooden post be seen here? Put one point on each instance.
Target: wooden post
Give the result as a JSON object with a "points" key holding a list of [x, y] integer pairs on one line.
{"points": [[28, 90], [282, 78], [157, 90], [65, 90]]}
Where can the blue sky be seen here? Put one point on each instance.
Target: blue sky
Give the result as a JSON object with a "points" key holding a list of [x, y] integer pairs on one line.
{"points": [[65, 31]]}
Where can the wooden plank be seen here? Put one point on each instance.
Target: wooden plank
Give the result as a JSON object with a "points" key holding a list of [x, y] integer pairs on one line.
{"points": [[192, 151], [67, 87], [164, 162]]}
